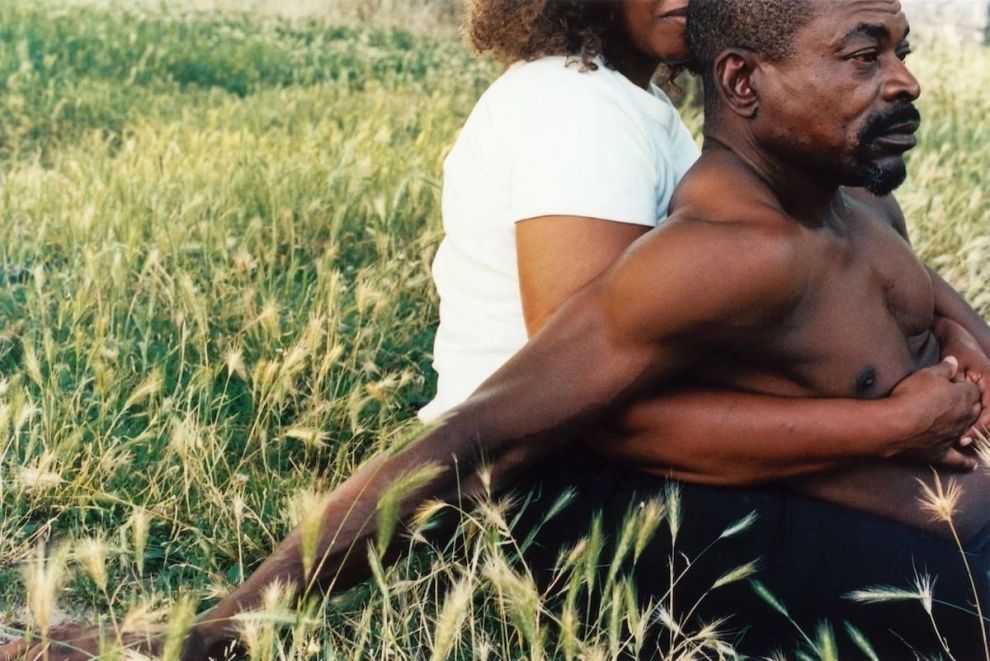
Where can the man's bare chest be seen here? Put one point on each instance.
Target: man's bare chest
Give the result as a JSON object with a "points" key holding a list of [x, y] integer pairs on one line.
{"points": [[865, 322]]}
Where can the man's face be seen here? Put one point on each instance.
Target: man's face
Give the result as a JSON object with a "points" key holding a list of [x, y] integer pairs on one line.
{"points": [[843, 102]]}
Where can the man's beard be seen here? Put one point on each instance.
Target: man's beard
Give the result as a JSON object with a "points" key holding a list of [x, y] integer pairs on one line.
{"points": [[882, 177]]}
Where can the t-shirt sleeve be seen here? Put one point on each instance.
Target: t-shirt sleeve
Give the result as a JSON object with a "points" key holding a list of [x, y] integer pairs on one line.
{"points": [[581, 153]]}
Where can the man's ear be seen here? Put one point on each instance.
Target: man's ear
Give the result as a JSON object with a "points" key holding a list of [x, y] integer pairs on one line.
{"points": [[734, 78]]}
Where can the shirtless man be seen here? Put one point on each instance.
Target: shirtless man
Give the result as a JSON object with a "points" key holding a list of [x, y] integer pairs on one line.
{"points": [[772, 276]]}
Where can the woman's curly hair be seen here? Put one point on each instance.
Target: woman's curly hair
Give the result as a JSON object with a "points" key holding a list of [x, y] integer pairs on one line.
{"points": [[513, 30]]}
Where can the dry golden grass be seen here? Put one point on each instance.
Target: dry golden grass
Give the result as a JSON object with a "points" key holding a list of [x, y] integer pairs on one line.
{"points": [[216, 303]]}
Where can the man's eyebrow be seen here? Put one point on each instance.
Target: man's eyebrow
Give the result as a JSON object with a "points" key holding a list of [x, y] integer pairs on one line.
{"points": [[876, 31]]}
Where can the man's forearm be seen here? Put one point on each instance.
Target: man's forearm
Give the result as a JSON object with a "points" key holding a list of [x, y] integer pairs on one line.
{"points": [[731, 438], [550, 393], [448, 458], [349, 524], [950, 304]]}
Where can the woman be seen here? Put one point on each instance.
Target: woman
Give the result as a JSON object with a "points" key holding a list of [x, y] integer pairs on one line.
{"points": [[567, 158]]}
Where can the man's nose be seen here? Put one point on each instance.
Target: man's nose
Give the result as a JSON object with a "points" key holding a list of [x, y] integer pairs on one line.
{"points": [[901, 85]]}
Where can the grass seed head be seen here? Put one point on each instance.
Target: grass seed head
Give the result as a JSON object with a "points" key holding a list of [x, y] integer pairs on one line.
{"points": [[393, 498], [740, 573], [186, 438], [33, 479], [651, 514], [43, 576], [139, 525], [941, 500], [519, 599], [233, 360], [150, 386], [91, 553], [238, 505], [673, 508], [180, 620], [925, 587], [306, 511], [425, 516], [453, 615], [314, 438], [879, 594], [31, 364]]}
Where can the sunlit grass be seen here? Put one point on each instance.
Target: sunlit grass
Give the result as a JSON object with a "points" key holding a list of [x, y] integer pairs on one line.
{"points": [[216, 302]]}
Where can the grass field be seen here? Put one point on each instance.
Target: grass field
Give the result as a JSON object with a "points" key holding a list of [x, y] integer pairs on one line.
{"points": [[216, 303]]}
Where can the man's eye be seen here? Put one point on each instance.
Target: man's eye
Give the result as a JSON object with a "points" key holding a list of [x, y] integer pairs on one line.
{"points": [[866, 57]]}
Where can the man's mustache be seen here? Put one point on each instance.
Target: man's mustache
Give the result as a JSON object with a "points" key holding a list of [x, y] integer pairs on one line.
{"points": [[883, 122]]}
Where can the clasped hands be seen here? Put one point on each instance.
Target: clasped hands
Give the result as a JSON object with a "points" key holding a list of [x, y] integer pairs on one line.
{"points": [[949, 403]]}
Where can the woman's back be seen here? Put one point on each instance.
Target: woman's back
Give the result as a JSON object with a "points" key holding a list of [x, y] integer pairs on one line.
{"points": [[546, 139]]}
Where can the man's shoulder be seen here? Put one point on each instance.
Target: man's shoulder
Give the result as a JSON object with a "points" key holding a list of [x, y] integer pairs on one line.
{"points": [[724, 209], [698, 273], [755, 236]]}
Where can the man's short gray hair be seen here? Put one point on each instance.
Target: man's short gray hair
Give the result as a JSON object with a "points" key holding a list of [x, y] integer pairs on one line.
{"points": [[766, 27]]}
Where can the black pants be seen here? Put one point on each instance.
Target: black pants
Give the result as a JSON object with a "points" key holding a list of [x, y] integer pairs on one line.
{"points": [[811, 555]]}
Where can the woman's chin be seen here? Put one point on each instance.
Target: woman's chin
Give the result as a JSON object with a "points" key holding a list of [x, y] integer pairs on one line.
{"points": [[671, 51]]}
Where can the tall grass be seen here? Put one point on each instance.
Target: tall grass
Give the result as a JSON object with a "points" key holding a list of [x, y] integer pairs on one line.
{"points": [[215, 297], [419, 16]]}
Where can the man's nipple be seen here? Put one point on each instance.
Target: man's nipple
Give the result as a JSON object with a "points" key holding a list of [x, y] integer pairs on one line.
{"points": [[866, 380]]}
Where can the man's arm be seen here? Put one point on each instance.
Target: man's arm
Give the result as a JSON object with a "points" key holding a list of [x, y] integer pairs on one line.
{"points": [[633, 328], [530, 407], [950, 304], [726, 438], [717, 437], [699, 435]]}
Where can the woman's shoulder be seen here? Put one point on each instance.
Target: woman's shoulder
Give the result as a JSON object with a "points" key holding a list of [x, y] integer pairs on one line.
{"points": [[554, 80], [560, 87]]}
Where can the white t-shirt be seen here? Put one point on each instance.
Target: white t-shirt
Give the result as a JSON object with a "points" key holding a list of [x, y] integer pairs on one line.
{"points": [[545, 139]]}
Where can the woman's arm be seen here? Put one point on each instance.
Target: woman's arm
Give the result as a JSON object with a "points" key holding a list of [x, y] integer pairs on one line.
{"points": [[557, 255], [704, 435]]}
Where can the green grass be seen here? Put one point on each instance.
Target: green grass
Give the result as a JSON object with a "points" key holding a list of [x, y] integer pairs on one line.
{"points": [[215, 297]]}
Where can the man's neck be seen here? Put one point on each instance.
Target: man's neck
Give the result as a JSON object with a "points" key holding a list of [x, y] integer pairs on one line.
{"points": [[806, 198]]}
